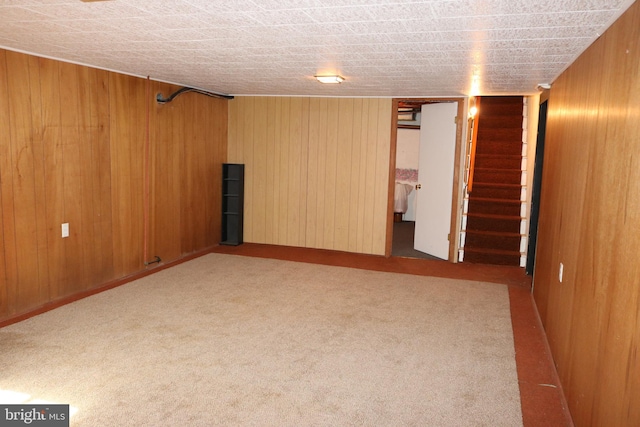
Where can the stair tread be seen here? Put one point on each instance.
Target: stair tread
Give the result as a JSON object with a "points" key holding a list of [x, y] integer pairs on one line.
{"points": [[498, 155], [495, 200], [496, 184], [492, 251], [499, 123], [494, 233], [498, 169], [482, 215]]}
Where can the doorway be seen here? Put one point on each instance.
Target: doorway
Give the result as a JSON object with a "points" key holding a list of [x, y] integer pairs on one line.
{"points": [[536, 188], [401, 228]]}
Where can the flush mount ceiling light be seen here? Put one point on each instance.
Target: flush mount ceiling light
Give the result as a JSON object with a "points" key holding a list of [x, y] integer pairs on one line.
{"points": [[330, 79]]}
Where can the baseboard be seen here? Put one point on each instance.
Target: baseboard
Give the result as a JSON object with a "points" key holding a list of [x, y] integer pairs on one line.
{"points": [[15, 318]]}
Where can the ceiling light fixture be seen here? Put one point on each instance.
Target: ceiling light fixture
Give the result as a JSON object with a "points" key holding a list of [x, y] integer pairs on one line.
{"points": [[330, 79]]}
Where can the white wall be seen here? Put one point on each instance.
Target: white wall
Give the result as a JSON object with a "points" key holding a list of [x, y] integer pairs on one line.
{"points": [[407, 154], [408, 148]]}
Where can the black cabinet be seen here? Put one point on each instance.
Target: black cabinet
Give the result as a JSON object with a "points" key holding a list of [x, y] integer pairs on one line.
{"points": [[232, 203]]}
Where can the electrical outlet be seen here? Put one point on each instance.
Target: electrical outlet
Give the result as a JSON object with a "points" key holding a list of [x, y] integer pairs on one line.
{"points": [[65, 229], [561, 272]]}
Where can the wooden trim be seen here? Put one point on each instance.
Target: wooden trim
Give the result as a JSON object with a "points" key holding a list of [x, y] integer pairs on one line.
{"points": [[544, 96], [458, 187], [392, 169], [473, 128]]}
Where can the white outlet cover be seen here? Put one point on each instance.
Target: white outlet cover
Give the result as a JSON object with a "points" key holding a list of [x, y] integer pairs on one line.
{"points": [[65, 229], [561, 272]]}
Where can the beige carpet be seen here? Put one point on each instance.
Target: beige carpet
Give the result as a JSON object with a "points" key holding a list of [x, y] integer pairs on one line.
{"points": [[238, 341]]}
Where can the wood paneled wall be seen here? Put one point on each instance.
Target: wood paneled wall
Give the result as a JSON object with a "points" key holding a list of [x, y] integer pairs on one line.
{"points": [[317, 170], [73, 149], [188, 147], [590, 222]]}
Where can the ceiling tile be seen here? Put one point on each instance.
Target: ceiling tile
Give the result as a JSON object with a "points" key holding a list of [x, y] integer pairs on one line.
{"points": [[382, 47]]}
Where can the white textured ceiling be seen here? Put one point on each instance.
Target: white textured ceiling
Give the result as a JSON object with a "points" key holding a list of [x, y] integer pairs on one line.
{"points": [[274, 47]]}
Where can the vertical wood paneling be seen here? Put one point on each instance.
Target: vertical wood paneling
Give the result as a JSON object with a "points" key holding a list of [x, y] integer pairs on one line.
{"points": [[294, 178], [246, 157], [188, 147], [90, 246], [322, 127], [8, 275], [71, 170], [137, 126], [284, 119], [234, 127], [274, 193], [343, 173], [365, 166], [128, 123], [39, 179], [382, 141], [356, 166], [166, 132], [24, 193], [54, 174], [189, 214], [330, 173], [216, 139], [271, 168], [304, 170], [101, 192], [72, 150], [589, 218], [260, 170], [312, 173], [370, 180], [79, 118], [330, 170]]}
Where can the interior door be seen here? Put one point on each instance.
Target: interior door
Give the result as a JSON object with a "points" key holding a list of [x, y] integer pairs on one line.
{"points": [[435, 177]]}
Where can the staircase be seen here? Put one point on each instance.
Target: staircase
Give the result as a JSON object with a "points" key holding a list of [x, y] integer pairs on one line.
{"points": [[494, 209]]}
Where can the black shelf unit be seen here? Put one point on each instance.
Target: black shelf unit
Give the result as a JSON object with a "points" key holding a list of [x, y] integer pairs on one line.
{"points": [[232, 203]]}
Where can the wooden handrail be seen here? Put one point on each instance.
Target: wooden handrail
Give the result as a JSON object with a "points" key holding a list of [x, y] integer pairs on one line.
{"points": [[473, 128]]}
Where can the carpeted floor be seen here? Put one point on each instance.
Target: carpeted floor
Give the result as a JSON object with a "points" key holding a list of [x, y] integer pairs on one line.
{"points": [[232, 340], [402, 245]]}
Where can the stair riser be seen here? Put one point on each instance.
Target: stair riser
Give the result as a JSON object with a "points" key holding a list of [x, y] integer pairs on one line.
{"points": [[512, 148], [495, 192], [498, 162], [482, 258], [500, 121], [499, 110], [510, 105], [494, 208], [497, 176], [490, 241], [493, 224]]}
